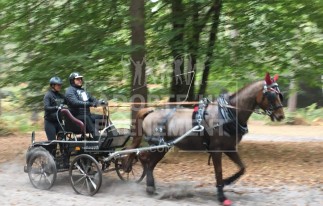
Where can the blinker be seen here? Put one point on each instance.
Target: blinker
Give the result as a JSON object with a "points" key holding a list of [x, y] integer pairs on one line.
{"points": [[281, 97], [271, 96]]}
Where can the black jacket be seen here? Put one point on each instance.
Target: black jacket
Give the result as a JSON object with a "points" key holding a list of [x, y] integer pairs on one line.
{"points": [[79, 101], [52, 100]]}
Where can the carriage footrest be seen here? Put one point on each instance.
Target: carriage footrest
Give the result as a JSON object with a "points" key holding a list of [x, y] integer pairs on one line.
{"points": [[114, 142]]}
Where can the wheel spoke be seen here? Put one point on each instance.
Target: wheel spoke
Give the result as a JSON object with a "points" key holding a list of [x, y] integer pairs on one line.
{"points": [[80, 179], [91, 181], [79, 168], [47, 178], [38, 182], [83, 185], [136, 171], [88, 186], [42, 169], [86, 176]]}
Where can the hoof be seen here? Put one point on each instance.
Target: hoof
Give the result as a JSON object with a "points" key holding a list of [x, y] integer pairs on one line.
{"points": [[222, 199], [227, 202], [150, 190]]}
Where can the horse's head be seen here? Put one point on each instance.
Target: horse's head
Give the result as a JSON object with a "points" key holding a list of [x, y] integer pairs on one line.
{"points": [[270, 99]]}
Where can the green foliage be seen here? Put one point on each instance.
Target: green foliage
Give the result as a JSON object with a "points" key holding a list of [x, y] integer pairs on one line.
{"points": [[310, 113], [14, 118], [40, 39], [4, 131], [53, 38], [260, 36]]}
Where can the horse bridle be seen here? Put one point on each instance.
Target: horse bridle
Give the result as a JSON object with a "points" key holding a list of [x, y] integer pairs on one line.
{"points": [[270, 92]]}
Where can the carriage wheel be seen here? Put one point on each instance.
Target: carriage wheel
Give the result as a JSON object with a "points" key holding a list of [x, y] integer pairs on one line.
{"points": [[136, 174], [41, 169], [85, 175], [31, 151]]}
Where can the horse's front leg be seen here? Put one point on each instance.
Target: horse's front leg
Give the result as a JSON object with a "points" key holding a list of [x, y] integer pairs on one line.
{"points": [[217, 163], [234, 156]]}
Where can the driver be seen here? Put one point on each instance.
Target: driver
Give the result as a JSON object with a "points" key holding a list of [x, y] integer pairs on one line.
{"points": [[53, 99], [79, 102]]}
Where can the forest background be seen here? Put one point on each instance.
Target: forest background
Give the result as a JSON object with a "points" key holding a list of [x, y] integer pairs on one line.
{"points": [[184, 49]]}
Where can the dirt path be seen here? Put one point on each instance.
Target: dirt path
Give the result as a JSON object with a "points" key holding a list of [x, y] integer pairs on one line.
{"points": [[281, 170]]}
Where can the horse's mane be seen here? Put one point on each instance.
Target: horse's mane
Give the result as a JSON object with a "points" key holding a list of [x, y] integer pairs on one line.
{"points": [[246, 87]]}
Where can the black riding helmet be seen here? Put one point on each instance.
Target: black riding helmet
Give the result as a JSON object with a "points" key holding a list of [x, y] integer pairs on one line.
{"points": [[55, 80], [73, 76]]}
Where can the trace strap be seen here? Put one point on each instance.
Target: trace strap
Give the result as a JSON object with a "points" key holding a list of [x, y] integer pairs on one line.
{"points": [[228, 118]]}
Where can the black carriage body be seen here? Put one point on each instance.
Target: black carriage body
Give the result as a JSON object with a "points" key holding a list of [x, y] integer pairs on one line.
{"points": [[77, 152], [62, 151], [78, 146]]}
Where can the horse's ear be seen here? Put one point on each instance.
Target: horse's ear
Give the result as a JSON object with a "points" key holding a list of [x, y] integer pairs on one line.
{"points": [[267, 79], [276, 77]]}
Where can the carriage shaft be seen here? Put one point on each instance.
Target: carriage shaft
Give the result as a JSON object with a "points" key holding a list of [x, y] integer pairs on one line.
{"points": [[197, 128]]}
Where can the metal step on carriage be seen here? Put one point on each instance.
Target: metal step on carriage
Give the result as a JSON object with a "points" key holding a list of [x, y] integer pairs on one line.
{"points": [[84, 159]]}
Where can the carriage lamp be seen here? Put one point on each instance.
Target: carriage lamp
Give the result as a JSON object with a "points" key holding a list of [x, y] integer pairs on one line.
{"points": [[77, 148]]}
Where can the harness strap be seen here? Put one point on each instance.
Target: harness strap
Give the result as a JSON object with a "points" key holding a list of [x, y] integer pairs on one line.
{"points": [[158, 140], [164, 121], [197, 117], [230, 123]]}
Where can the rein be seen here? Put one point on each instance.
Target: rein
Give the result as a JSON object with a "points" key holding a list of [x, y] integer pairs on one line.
{"points": [[257, 111]]}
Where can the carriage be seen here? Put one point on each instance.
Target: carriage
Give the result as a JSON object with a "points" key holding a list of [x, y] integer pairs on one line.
{"points": [[84, 159]]}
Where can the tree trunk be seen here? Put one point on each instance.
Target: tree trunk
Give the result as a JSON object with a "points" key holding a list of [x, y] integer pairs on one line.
{"points": [[0, 103], [292, 100], [217, 5], [178, 84], [137, 66], [193, 46]]}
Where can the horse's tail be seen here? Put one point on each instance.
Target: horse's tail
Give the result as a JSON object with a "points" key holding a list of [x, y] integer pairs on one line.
{"points": [[137, 128], [137, 133]]}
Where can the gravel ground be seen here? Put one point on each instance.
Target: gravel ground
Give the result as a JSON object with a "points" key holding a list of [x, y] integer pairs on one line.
{"points": [[15, 189], [283, 168]]}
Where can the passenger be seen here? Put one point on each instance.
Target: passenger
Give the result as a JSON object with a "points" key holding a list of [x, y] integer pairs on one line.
{"points": [[53, 99], [79, 102]]}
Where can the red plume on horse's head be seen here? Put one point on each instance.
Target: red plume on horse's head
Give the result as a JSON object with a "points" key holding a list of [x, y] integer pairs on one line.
{"points": [[269, 80], [276, 77]]}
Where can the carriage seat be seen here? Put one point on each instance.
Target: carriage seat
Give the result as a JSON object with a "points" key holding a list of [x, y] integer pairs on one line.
{"points": [[72, 124]]}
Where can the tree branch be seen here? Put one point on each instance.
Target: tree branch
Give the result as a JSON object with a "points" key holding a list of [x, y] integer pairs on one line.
{"points": [[6, 26]]}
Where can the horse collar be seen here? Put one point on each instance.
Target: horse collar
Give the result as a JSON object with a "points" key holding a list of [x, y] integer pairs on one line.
{"points": [[228, 119]]}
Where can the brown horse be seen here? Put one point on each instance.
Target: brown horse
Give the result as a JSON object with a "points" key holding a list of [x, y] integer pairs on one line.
{"points": [[225, 122]]}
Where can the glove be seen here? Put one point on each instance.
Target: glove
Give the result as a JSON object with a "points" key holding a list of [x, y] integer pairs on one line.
{"points": [[62, 106], [101, 102], [94, 104]]}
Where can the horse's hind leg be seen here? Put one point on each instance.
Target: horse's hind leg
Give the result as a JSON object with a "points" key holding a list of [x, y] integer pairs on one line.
{"points": [[150, 160], [217, 163], [234, 156]]}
